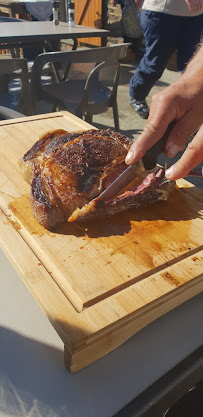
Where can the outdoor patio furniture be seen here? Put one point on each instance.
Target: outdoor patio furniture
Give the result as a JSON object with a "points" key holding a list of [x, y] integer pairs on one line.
{"points": [[28, 52], [82, 95], [15, 52], [19, 97], [28, 33], [6, 113]]}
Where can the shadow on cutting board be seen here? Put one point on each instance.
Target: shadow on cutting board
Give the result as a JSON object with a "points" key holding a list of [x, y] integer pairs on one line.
{"points": [[183, 205]]}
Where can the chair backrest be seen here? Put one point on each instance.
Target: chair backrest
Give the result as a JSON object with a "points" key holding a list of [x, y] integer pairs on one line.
{"points": [[94, 55], [10, 66], [6, 113], [90, 86]]}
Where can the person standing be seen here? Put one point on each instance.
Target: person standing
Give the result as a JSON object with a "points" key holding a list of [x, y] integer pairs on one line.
{"points": [[167, 25]]}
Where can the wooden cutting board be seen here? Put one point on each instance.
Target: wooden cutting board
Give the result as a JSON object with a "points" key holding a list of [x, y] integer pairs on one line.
{"points": [[101, 283]]}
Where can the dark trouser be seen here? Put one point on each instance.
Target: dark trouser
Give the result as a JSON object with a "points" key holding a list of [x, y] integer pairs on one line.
{"points": [[163, 34]]}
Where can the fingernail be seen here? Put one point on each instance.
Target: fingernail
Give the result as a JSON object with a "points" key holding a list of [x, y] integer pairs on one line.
{"points": [[169, 172], [173, 150], [129, 157]]}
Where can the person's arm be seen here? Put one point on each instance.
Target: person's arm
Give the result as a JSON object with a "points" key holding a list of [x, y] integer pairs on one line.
{"points": [[194, 5], [181, 101]]}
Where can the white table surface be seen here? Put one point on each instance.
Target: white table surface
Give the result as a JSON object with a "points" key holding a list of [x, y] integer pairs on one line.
{"points": [[34, 381], [36, 31]]}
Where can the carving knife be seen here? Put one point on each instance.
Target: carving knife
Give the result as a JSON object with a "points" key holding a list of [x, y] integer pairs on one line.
{"points": [[148, 162]]}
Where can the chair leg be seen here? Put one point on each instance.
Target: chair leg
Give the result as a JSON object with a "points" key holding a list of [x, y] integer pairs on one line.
{"points": [[88, 118], [115, 116]]}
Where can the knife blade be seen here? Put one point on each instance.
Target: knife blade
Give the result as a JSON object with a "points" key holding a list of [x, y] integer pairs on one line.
{"points": [[148, 162]]}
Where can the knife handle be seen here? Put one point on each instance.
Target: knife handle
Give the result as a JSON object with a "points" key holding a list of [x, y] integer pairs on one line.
{"points": [[150, 157]]}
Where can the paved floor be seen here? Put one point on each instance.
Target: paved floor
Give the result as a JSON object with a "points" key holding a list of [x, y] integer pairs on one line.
{"points": [[131, 124]]}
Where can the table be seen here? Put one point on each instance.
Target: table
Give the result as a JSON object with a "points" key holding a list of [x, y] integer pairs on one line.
{"points": [[32, 374], [21, 34], [98, 273]]}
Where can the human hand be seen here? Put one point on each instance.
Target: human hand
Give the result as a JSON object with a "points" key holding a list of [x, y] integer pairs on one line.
{"points": [[182, 102], [194, 5], [138, 3], [192, 156]]}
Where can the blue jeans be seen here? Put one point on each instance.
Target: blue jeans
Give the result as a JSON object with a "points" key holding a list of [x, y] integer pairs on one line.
{"points": [[163, 34]]}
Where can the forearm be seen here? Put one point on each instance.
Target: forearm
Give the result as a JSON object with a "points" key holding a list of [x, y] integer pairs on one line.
{"points": [[194, 69], [183, 102]]}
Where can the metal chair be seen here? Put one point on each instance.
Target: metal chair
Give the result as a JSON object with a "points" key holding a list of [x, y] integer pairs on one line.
{"points": [[82, 97], [6, 113], [15, 69]]}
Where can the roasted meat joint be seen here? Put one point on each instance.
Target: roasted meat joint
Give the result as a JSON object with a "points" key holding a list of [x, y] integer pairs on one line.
{"points": [[68, 171]]}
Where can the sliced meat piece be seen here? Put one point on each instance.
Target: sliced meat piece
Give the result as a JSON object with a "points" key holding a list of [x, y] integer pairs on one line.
{"points": [[148, 192]]}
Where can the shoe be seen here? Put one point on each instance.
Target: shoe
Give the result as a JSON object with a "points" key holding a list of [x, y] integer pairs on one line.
{"points": [[140, 107]]}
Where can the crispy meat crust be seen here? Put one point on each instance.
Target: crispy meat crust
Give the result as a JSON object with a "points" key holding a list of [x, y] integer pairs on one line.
{"points": [[67, 170]]}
